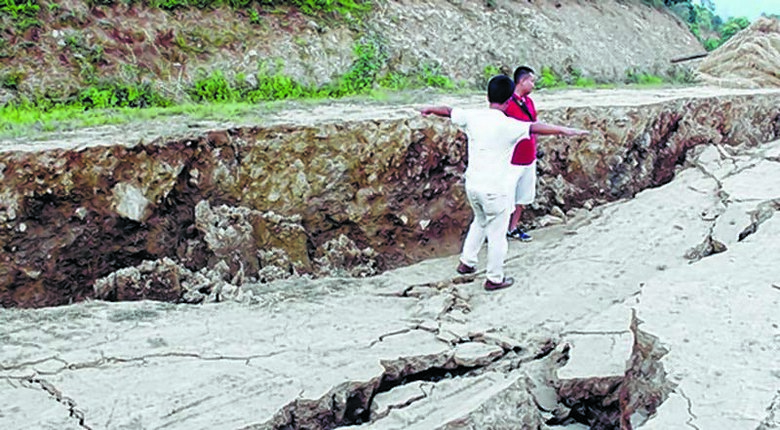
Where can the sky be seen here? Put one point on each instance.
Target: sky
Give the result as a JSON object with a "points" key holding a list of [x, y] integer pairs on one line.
{"points": [[748, 8]]}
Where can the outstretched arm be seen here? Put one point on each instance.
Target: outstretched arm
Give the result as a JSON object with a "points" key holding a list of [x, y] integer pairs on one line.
{"points": [[549, 129], [444, 111]]}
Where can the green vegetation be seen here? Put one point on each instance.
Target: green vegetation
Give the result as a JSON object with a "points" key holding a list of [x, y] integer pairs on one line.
{"points": [[11, 80], [489, 71], [23, 13], [113, 95], [31, 7], [16, 119], [363, 73], [577, 79], [431, 77], [634, 76], [549, 79], [112, 101], [272, 86], [711, 30]]}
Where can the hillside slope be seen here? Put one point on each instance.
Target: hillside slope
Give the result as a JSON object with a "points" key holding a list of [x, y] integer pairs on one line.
{"points": [[77, 46]]}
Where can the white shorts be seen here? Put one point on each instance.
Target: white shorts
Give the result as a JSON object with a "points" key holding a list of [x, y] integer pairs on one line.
{"points": [[525, 183]]}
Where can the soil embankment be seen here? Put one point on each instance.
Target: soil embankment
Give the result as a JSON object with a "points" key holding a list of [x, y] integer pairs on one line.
{"points": [[193, 218]]}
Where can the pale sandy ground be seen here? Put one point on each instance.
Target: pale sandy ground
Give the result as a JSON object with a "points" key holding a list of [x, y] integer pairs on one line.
{"points": [[398, 106], [228, 365]]}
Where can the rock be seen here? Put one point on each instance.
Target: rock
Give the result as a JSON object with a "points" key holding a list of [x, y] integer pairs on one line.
{"points": [[558, 213], [156, 280], [228, 233], [549, 220], [588, 205], [6, 96], [342, 254], [130, 202]]}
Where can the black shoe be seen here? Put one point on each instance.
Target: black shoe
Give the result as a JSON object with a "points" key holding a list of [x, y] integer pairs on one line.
{"points": [[493, 286], [464, 269]]}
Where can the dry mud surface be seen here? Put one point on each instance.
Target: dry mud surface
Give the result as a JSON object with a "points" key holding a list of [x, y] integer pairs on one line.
{"points": [[420, 348]]}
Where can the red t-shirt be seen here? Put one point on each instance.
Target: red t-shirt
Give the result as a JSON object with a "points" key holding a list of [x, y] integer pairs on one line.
{"points": [[525, 149]]}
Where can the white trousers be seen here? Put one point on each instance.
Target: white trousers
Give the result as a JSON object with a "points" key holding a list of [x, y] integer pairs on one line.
{"points": [[491, 216]]}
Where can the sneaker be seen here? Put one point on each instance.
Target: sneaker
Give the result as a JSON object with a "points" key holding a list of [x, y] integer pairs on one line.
{"points": [[464, 269], [519, 235], [493, 286]]}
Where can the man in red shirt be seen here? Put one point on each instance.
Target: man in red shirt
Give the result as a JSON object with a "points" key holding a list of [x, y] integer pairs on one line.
{"points": [[522, 108]]}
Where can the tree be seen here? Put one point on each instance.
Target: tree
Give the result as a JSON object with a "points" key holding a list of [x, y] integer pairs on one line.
{"points": [[733, 26]]}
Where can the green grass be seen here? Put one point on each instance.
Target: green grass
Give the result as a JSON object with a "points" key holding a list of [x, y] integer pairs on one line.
{"points": [[28, 121], [643, 79], [16, 121]]}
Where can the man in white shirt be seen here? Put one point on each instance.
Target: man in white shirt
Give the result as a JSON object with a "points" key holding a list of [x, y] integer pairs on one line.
{"points": [[490, 181]]}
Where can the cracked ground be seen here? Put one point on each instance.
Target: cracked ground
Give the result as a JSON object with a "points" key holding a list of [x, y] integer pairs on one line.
{"points": [[422, 348]]}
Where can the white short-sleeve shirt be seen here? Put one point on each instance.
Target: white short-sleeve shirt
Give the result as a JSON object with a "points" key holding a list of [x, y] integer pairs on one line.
{"points": [[491, 139]]}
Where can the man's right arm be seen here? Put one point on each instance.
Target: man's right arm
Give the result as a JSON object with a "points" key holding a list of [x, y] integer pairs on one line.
{"points": [[444, 111], [549, 129]]}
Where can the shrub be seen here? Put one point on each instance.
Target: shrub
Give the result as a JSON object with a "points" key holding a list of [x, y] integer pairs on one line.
{"points": [[634, 76], [361, 76], [23, 13], [213, 87], [577, 79], [549, 79], [584, 82], [431, 76], [488, 72], [712, 43], [394, 81], [112, 95], [11, 80], [18, 9], [275, 87]]}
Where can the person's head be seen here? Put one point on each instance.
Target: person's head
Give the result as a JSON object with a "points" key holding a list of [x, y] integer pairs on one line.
{"points": [[500, 89], [524, 80]]}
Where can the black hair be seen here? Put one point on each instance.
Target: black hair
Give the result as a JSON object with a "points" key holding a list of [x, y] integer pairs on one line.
{"points": [[522, 71], [500, 89]]}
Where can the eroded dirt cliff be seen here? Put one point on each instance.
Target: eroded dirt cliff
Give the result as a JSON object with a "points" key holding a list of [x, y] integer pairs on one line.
{"points": [[339, 197]]}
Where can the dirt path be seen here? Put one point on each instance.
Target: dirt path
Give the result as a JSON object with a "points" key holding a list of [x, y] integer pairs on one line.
{"points": [[310, 112]]}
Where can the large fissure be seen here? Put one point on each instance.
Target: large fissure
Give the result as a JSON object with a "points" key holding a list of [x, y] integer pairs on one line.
{"points": [[600, 402], [618, 402]]}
